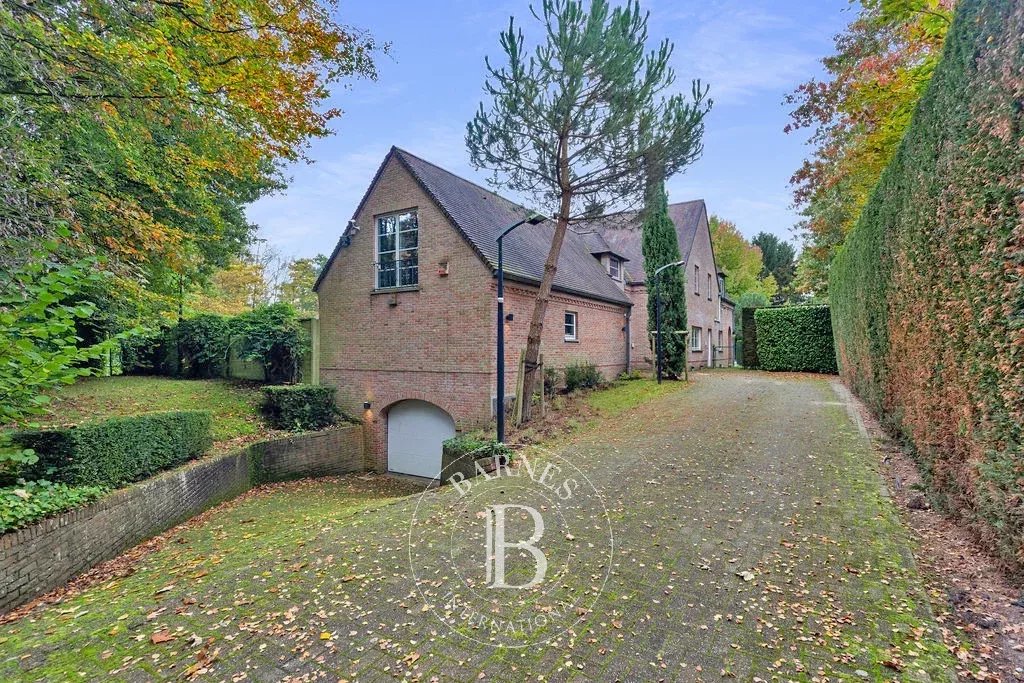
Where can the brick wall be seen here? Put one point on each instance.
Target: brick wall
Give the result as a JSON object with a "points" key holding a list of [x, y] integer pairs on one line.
{"points": [[601, 337], [46, 555], [436, 342]]}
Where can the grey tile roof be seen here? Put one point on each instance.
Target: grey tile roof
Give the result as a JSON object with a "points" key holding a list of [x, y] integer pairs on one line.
{"points": [[481, 215], [622, 232]]}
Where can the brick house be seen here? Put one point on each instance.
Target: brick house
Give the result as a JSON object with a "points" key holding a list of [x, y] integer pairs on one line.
{"points": [[408, 308], [709, 310]]}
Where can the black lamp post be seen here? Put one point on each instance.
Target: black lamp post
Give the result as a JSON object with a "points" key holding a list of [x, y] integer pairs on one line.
{"points": [[657, 315], [532, 219]]}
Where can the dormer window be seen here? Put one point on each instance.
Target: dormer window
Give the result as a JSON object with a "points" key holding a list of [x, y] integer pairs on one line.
{"points": [[615, 267]]}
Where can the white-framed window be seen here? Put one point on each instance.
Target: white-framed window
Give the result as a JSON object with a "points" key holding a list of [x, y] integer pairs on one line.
{"points": [[615, 267], [398, 246], [696, 337], [696, 280], [709, 286], [571, 326]]}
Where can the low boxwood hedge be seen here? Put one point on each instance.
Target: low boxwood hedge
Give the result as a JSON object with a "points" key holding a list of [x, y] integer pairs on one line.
{"points": [[117, 451], [796, 339], [300, 407]]}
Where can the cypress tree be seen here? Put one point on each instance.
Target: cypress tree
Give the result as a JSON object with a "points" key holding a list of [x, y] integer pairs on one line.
{"points": [[661, 246]]}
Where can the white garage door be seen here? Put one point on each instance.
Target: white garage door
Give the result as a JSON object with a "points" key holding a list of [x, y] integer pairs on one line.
{"points": [[416, 430]]}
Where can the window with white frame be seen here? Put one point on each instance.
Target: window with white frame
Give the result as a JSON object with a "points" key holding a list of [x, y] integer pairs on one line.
{"points": [[615, 267], [709, 286], [696, 280], [571, 327], [398, 250], [696, 335]]}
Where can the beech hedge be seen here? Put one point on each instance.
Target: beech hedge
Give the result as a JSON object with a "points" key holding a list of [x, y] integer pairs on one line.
{"points": [[795, 339], [927, 293], [118, 451]]}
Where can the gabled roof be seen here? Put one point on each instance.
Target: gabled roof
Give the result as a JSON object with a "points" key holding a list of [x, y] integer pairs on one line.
{"points": [[623, 233], [481, 215]]}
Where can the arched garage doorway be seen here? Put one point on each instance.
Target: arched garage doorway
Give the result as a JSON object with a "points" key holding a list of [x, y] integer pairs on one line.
{"points": [[416, 430]]}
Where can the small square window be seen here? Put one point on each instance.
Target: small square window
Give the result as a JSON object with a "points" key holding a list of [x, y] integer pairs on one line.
{"points": [[571, 329]]}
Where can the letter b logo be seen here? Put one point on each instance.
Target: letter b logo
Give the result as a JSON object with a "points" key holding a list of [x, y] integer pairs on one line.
{"points": [[496, 545]]}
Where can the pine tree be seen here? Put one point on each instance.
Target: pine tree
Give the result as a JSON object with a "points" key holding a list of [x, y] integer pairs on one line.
{"points": [[575, 124], [660, 247]]}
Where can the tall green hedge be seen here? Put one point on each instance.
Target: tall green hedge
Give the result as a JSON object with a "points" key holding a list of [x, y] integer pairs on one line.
{"points": [[117, 451], [928, 292], [795, 338]]}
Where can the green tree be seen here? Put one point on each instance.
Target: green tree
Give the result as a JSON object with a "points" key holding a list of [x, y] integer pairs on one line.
{"points": [[661, 247], [40, 308], [297, 289], [857, 116], [779, 259], [575, 124], [149, 125], [740, 260]]}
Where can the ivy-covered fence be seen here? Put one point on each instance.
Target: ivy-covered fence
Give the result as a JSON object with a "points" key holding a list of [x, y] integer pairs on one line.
{"points": [[928, 292]]}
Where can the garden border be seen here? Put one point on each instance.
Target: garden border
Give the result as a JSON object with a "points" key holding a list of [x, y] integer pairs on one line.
{"points": [[43, 556]]}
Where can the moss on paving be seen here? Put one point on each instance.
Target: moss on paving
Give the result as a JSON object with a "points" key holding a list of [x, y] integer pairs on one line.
{"points": [[233, 404], [312, 579]]}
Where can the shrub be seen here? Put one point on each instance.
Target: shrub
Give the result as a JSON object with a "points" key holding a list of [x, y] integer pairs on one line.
{"points": [[203, 341], [475, 444], [21, 505], [927, 294], [117, 451], [460, 453], [551, 379], [272, 336], [582, 375], [299, 408], [795, 338]]}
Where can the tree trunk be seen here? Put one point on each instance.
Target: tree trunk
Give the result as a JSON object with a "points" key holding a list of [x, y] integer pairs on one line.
{"points": [[540, 307]]}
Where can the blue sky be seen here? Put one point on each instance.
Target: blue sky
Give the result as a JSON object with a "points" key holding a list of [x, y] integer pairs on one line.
{"points": [[751, 53]]}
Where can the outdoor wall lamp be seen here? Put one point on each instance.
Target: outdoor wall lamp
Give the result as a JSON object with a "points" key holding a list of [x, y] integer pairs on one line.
{"points": [[509, 317], [367, 405]]}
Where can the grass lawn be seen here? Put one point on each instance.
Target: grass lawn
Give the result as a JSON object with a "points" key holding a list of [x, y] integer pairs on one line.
{"points": [[234, 404], [627, 394]]}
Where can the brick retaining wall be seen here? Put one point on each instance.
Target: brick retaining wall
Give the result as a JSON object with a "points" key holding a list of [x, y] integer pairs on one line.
{"points": [[48, 554]]}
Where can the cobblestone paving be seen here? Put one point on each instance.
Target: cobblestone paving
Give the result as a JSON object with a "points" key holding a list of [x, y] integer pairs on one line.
{"points": [[753, 541]]}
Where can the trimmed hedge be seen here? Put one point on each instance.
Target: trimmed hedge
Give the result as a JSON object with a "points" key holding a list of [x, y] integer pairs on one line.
{"points": [[795, 339], [460, 453], [928, 291], [117, 451], [299, 408]]}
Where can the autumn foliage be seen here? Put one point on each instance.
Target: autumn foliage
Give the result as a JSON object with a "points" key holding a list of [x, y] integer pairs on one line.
{"points": [[148, 125], [857, 116], [928, 291]]}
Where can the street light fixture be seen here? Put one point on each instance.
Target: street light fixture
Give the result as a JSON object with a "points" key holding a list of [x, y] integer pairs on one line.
{"points": [[533, 219], [657, 315]]}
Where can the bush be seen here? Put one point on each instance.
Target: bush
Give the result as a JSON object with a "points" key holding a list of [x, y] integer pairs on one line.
{"points": [[582, 375], [927, 294], [460, 453], [272, 336], [117, 451], [203, 341], [299, 408], [21, 505], [795, 338], [551, 379]]}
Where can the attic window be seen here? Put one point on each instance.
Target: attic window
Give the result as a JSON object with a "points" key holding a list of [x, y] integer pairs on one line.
{"points": [[615, 267], [398, 250]]}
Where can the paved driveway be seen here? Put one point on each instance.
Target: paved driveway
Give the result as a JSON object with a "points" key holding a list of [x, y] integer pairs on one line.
{"points": [[752, 540]]}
